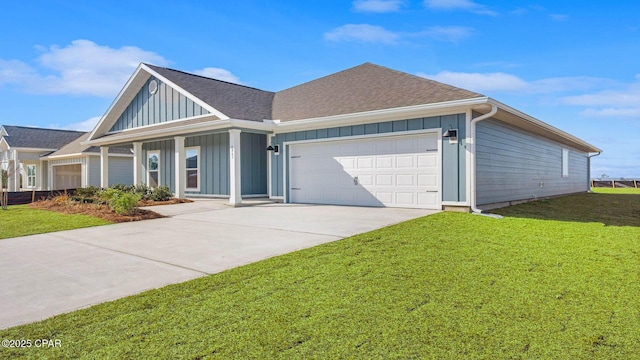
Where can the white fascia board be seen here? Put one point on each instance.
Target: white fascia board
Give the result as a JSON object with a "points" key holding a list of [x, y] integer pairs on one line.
{"points": [[27, 149], [107, 119], [407, 112], [3, 131], [544, 126], [131, 88], [193, 98], [183, 130], [57, 157]]}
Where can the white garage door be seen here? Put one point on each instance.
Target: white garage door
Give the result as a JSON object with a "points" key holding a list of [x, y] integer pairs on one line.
{"points": [[394, 171]]}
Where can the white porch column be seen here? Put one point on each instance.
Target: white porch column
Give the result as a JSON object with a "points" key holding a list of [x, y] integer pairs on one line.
{"points": [[11, 179], [137, 163], [235, 175], [181, 167], [104, 167], [49, 176]]}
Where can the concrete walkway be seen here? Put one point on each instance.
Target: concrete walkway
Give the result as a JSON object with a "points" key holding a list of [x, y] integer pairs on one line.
{"points": [[49, 274]]}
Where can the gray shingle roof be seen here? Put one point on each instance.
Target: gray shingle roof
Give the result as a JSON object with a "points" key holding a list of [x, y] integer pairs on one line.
{"points": [[362, 88], [75, 147], [28, 137], [235, 101]]}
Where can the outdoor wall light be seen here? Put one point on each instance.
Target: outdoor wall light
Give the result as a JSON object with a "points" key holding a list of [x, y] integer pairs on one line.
{"points": [[275, 149], [452, 134]]}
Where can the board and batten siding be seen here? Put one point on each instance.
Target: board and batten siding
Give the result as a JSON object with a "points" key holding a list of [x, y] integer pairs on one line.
{"points": [[512, 165], [253, 163], [453, 155], [167, 104], [120, 170], [94, 171], [214, 163]]}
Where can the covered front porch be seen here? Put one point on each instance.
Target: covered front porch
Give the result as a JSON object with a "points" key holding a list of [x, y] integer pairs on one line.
{"points": [[226, 163]]}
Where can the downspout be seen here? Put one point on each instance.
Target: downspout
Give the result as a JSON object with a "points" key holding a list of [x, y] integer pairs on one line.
{"points": [[472, 136], [589, 169]]}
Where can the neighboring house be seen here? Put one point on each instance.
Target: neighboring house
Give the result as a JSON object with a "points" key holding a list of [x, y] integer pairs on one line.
{"points": [[49, 159], [368, 135]]}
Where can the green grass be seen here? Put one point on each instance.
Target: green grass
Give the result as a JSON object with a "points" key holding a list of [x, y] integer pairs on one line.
{"points": [[447, 286], [616, 190], [21, 220]]}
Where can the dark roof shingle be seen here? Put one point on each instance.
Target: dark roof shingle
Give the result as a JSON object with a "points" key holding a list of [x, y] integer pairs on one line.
{"points": [[365, 87], [235, 101], [28, 137]]}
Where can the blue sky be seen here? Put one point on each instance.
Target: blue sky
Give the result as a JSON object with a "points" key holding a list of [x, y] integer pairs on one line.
{"points": [[571, 64]]}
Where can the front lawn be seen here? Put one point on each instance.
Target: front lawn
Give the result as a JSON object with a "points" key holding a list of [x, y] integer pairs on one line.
{"points": [[21, 220], [450, 286]]}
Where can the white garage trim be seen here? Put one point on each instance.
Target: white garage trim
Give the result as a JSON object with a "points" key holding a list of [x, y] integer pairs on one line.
{"points": [[436, 132]]}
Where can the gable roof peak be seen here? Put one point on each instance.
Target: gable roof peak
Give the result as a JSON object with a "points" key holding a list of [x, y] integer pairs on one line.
{"points": [[155, 68]]}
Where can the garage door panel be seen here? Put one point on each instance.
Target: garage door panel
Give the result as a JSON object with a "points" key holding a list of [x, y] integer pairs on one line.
{"points": [[405, 161], [397, 171], [405, 180]]}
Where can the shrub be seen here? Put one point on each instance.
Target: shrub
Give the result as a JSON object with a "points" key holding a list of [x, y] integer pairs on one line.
{"points": [[161, 193], [88, 192], [125, 204], [143, 190], [123, 187]]}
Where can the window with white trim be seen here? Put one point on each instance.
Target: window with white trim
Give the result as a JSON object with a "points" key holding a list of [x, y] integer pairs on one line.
{"points": [[193, 168], [565, 162], [153, 168], [31, 176]]}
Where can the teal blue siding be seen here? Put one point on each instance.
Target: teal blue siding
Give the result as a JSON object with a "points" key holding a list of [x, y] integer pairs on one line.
{"points": [[167, 161], [93, 162], [453, 177], [214, 163], [512, 164], [453, 155], [253, 162], [166, 104], [120, 170]]}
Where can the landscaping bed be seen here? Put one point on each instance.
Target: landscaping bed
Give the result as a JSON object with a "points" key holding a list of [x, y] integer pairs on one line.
{"points": [[117, 204]]}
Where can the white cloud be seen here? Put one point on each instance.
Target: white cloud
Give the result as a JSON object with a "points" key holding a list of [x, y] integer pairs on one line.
{"points": [[500, 81], [363, 33], [218, 73], [81, 67], [377, 34], [465, 5], [86, 125], [613, 112], [559, 17], [446, 33], [378, 6], [480, 82]]}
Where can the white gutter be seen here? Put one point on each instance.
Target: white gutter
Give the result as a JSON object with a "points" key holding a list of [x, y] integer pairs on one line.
{"points": [[472, 137]]}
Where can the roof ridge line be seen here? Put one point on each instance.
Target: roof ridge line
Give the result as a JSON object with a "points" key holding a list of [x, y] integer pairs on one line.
{"points": [[206, 77]]}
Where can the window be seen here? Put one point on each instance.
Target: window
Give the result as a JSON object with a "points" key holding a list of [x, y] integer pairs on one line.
{"points": [[31, 176], [153, 168], [565, 162], [193, 168]]}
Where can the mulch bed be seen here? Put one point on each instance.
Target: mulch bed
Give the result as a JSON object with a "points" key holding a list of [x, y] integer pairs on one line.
{"points": [[103, 211]]}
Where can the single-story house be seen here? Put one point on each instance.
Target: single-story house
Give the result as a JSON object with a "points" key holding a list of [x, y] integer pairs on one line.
{"points": [[50, 159], [366, 136]]}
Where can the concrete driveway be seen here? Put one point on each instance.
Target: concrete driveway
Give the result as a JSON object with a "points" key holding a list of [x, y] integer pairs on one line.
{"points": [[49, 274]]}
